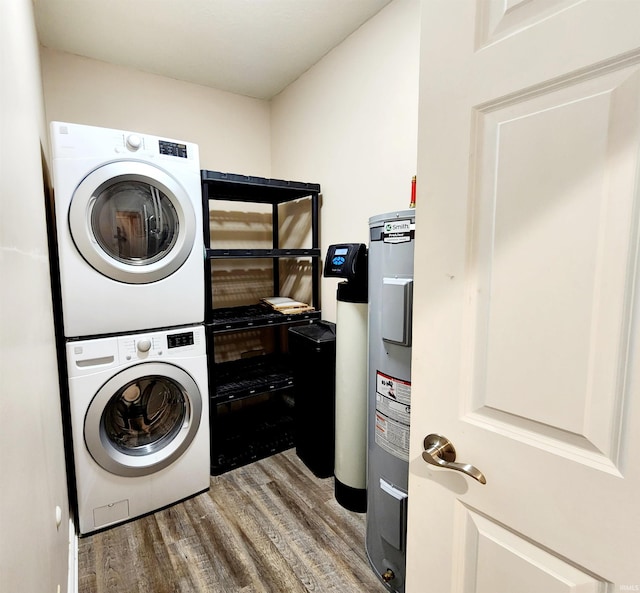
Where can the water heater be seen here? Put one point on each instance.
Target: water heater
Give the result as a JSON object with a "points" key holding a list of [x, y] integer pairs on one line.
{"points": [[391, 254]]}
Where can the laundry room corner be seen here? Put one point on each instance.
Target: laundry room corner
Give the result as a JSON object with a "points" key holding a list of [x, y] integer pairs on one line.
{"points": [[231, 131], [359, 104]]}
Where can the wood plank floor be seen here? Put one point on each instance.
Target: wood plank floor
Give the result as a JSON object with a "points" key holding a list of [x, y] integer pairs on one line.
{"points": [[269, 527]]}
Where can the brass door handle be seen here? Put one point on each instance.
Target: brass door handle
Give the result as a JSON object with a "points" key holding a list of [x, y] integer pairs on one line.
{"points": [[439, 451]]}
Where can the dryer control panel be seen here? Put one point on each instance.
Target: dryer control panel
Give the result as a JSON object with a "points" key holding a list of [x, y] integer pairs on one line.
{"points": [[71, 140], [173, 148]]}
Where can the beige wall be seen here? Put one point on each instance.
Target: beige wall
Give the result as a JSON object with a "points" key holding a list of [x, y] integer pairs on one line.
{"points": [[233, 132], [350, 124], [33, 551]]}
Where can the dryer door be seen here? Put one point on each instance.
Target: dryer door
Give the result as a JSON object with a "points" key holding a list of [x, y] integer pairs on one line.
{"points": [[132, 222], [143, 419]]}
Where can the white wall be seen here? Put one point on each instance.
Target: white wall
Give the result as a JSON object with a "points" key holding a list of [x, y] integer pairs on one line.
{"points": [[233, 132], [350, 124], [33, 551]]}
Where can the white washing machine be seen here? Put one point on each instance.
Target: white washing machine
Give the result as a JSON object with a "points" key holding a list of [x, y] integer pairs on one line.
{"points": [[128, 211], [139, 422]]}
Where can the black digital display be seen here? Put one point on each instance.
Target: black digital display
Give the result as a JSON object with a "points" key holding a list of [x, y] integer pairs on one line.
{"points": [[173, 149], [178, 340]]}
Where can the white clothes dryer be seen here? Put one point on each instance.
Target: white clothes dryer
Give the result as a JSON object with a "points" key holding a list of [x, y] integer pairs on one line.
{"points": [[139, 408], [128, 212]]}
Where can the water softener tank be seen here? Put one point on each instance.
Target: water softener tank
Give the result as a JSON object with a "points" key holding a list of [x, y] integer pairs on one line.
{"points": [[391, 253], [349, 261]]}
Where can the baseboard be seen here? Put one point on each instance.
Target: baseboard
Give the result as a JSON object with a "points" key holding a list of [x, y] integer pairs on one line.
{"points": [[72, 580]]}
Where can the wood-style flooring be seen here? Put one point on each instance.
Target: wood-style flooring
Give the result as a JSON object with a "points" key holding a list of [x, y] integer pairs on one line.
{"points": [[269, 527]]}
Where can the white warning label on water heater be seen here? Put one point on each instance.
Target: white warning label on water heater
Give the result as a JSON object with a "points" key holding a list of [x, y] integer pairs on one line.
{"points": [[393, 411], [398, 231]]}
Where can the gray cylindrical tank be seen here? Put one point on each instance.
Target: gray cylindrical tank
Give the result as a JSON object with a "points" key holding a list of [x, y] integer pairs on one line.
{"points": [[391, 257]]}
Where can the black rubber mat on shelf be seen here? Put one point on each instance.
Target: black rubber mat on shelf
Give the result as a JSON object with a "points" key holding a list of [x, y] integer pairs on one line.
{"points": [[231, 315], [250, 437], [250, 376], [231, 318]]}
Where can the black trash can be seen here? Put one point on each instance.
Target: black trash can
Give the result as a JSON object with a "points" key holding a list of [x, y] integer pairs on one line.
{"points": [[313, 353]]}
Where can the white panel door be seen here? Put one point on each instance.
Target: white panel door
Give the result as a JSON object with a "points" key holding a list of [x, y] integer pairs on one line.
{"points": [[527, 298]]}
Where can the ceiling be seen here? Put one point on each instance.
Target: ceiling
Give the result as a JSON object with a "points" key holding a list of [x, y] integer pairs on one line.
{"points": [[250, 47]]}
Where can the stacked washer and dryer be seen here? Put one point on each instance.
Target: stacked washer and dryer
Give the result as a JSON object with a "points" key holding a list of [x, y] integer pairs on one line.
{"points": [[128, 226]]}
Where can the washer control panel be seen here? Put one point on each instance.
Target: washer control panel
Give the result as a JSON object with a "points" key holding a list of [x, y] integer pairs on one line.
{"points": [[87, 356], [180, 340], [157, 345]]}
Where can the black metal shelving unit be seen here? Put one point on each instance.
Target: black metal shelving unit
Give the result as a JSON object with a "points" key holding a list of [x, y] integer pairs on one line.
{"points": [[240, 434]]}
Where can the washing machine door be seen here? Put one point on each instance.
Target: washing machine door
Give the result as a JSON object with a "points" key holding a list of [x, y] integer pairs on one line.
{"points": [[143, 419], [132, 222]]}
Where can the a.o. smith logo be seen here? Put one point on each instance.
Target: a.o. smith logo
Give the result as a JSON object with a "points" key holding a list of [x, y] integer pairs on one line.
{"points": [[399, 226]]}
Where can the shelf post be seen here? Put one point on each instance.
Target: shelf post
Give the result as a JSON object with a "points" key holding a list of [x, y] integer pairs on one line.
{"points": [[315, 240], [275, 221]]}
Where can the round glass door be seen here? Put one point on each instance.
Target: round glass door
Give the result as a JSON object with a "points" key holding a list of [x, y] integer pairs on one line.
{"points": [[132, 222], [143, 419], [144, 219]]}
